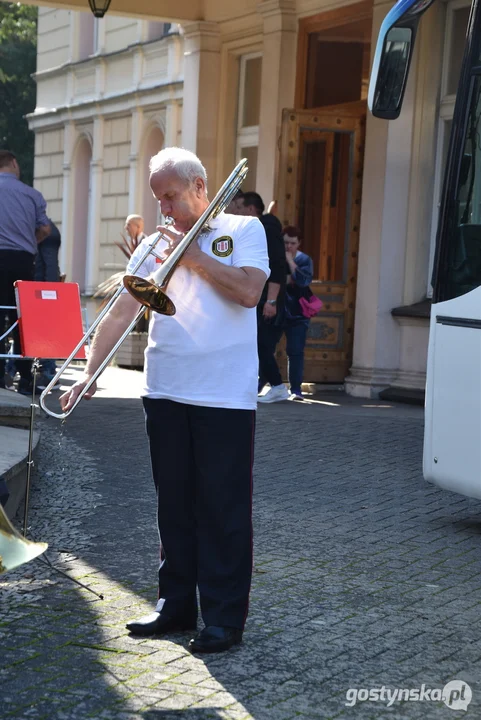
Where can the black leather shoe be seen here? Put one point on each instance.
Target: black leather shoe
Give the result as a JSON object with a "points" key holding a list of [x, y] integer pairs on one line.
{"points": [[158, 624], [215, 639]]}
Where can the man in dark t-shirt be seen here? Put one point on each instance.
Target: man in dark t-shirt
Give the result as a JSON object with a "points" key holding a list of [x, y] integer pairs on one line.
{"points": [[270, 310]]}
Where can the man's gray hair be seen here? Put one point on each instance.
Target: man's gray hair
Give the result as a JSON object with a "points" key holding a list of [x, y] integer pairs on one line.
{"points": [[185, 163]]}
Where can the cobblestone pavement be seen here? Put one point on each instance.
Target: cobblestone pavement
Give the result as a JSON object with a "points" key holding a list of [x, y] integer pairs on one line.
{"points": [[366, 576]]}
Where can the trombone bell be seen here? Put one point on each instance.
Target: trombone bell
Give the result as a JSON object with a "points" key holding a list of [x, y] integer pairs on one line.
{"points": [[147, 293], [15, 549]]}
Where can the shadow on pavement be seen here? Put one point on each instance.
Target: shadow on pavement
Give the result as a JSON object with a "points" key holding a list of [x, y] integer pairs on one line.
{"points": [[347, 593]]}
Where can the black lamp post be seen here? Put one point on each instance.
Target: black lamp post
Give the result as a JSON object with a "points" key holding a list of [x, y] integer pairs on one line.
{"points": [[99, 7]]}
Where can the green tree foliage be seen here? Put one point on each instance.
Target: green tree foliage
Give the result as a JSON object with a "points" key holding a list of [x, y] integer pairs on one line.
{"points": [[18, 57]]}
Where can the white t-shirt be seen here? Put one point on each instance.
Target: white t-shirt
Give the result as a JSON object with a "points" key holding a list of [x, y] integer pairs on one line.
{"points": [[206, 354]]}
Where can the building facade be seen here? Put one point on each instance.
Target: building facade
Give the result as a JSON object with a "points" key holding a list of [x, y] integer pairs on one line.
{"points": [[109, 96], [283, 83]]}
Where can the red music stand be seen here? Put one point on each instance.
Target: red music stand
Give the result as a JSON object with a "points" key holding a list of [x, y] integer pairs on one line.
{"points": [[49, 318], [50, 324]]}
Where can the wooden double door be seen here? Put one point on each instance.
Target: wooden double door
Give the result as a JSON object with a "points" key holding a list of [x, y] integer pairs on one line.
{"points": [[319, 191]]}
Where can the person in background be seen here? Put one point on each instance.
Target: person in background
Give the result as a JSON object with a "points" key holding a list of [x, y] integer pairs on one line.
{"points": [[47, 270], [270, 310], [300, 269], [236, 205], [23, 225], [134, 227], [46, 262]]}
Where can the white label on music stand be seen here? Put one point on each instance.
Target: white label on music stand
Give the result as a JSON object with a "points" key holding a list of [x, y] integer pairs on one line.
{"points": [[49, 295]]}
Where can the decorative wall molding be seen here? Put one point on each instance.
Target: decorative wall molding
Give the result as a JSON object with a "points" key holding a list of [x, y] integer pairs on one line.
{"points": [[109, 106], [368, 382], [410, 380], [98, 57]]}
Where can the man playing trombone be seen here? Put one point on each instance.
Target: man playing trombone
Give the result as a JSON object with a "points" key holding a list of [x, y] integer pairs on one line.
{"points": [[199, 396]]}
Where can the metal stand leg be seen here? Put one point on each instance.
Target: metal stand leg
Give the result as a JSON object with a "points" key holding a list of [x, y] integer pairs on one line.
{"points": [[33, 407], [45, 560]]}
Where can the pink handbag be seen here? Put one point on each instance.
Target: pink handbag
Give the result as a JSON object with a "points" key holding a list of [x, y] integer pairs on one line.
{"points": [[310, 306]]}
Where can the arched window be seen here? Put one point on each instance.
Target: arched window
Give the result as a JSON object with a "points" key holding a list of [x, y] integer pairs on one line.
{"points": [[150, 207], [82, 159]]}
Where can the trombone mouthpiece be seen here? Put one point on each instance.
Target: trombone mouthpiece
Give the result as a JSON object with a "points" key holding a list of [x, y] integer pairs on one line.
{"points": [[148, 294]]}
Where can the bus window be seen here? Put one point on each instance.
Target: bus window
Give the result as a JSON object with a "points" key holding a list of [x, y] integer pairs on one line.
{"points": [[463, 238]]}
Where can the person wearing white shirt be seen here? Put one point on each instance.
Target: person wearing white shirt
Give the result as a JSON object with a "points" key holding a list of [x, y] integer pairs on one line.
{"points": [[199, 398], [134, 227]]}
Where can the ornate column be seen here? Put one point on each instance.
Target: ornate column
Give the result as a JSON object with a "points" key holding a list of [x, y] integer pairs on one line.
{"points": [[100, 78], [66, 246], [73, 40], [99, 36], [137, 124], [138, 57], [277, 85], [173, 124], [201, 91], [95, 196], [387, 175], [175, 62]]}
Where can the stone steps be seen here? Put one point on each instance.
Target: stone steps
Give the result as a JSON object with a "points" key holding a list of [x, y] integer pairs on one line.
{"points": [[14, 424]]}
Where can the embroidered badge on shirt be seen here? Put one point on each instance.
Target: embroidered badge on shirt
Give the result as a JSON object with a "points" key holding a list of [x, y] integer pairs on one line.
{"points": [[222, 247]]}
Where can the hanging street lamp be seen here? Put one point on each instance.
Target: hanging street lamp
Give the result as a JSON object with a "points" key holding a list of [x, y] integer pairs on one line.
{"points": [[99, 7]]}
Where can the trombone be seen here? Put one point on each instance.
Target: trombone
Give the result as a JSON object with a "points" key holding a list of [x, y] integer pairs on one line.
{"points": [[151, 292]]}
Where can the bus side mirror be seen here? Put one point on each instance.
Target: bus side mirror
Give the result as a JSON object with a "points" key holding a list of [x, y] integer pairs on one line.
{"points": [[394, 49], [390, 71]]}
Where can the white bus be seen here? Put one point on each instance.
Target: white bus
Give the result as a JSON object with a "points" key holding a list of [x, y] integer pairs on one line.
{"points": [[452, 440]]}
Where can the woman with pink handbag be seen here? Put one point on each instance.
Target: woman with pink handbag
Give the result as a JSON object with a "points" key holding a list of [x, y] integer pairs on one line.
{"points": [[301, 305]]}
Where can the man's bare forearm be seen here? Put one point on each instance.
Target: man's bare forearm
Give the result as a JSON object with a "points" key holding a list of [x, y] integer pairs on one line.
{"points": [[42, 232], [273, 290], [233, 283]]}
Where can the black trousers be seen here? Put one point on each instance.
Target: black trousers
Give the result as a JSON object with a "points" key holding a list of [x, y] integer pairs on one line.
{"points": [[202, 467], [14, 265], [269, 333]]}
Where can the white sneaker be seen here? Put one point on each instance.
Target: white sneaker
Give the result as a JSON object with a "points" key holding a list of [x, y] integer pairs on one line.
{"points": [[275, 394]]}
